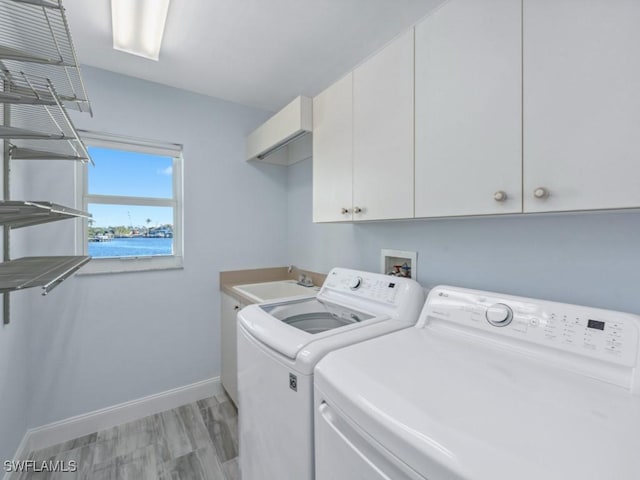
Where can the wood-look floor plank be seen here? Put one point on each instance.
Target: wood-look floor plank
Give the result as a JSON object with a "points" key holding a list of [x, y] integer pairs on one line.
{"points": [[104, 471], [195, 441], [183, 431], [32, 476], [219, 425], [129, 437], [50, 452], [201, 464], [80, 442], [231, 469], [138, 465], [83, 458], [230, 415], [207, 402]]}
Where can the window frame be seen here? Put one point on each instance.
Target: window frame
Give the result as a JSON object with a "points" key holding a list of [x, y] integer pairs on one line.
{"points": [[141, 263]]}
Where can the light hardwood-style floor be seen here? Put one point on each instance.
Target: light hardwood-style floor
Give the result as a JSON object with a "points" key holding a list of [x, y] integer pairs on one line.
{"points": [[198, 441]]}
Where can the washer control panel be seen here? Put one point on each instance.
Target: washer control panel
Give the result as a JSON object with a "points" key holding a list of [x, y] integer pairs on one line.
{"points": [[602, 334], [371, 286]]}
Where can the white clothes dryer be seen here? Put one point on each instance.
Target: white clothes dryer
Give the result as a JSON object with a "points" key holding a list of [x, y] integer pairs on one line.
{"points": [[279, 345], [485, 387]]}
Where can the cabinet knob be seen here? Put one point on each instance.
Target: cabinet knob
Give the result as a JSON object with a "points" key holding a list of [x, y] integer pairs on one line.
{"points": [[357, 210], [541, 192], [344, 211], [500, 196]]}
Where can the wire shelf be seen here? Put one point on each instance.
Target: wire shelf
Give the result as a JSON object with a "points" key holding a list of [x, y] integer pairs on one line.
{"points": [[40, 127], [45, 272], [22, 89], [35, 39], [18, 213], [36, 53]]}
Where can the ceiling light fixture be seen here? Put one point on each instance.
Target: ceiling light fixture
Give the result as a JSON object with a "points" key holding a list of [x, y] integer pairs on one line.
{"points": [[138, 26]]}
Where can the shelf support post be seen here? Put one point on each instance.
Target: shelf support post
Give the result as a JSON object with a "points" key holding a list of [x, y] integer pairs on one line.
{"points": [[6, 195]]}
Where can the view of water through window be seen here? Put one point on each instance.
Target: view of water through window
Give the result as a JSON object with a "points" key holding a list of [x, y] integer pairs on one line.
{"points": [[131, 247], [125, 230]]}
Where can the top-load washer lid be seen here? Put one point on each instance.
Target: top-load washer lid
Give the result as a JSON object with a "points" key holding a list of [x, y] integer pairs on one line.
{"points": [[351, 306], [288, 327], [553, 393], [314, 316]]}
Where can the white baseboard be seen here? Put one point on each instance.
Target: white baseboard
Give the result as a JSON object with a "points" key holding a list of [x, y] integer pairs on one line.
{"points": [[80, 425]]}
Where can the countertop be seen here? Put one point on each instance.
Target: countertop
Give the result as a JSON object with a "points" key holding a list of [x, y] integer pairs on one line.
{"points": [[229, 279]]}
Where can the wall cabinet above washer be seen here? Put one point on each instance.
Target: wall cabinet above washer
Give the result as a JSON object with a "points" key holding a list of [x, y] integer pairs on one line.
{"points": [[561, 136], [581, 105], [383, 133], [333, 153], [520, 107], [363, 140], [469, 109]]}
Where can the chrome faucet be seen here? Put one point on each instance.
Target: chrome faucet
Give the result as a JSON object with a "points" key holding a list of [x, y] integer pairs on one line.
{"points": [[304, 280]]}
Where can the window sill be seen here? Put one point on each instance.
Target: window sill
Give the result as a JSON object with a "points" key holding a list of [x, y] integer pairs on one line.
{"points": [[98, 266]]}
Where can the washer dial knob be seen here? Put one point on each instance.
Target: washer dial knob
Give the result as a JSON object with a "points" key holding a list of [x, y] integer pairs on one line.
{"points": [[355, 283], [499, 315]]}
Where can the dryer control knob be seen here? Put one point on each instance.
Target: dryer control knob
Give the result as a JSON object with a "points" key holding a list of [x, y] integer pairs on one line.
{"points": [[356, 283], [499, 315]]}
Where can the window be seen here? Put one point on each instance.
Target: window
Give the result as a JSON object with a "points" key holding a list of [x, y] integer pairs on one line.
{"points": [[134, 194]]}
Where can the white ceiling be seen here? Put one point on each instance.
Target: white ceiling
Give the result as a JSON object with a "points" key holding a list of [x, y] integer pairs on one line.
{"points": [[261, 53]]}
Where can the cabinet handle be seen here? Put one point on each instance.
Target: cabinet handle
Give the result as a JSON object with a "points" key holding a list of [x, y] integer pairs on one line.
{"points": [[344, 211], [357, 210], [500, 196], [541, 192]]}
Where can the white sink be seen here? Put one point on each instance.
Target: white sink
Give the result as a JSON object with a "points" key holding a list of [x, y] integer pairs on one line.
{"points": [[261, 292]]}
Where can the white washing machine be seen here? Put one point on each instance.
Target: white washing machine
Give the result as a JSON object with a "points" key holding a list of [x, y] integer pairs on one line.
{"points": [[279, 344], [485, 387]]}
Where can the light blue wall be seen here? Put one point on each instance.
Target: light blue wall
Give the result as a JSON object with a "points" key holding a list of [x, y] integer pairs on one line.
{"points": [[591, 258], [100, 340], [14, 383]]}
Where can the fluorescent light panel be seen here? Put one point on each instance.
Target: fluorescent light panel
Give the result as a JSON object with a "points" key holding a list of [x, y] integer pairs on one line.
{"points": [[138, 26]]}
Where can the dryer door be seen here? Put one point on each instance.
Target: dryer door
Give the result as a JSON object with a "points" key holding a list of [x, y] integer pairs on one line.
{"points": [[345, 452]]}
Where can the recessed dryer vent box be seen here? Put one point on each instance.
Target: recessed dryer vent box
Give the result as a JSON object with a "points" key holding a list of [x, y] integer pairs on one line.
{"points": [[399, 263]]}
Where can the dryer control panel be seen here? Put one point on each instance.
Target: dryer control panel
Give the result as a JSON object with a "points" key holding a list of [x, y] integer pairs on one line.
{"points": [[604, 335]]}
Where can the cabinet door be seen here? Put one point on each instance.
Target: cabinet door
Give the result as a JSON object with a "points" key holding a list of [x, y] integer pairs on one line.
{"points": [[229, 307], [469, 109], [581, 104], [383, 133], [333, 152]]}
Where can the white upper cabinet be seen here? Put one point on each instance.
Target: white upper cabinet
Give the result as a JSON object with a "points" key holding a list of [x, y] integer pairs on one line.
{"points": [[383, 133], [272, 141], [469, 109], [333, 152], [520, 106], [581, 104]]}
